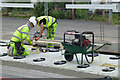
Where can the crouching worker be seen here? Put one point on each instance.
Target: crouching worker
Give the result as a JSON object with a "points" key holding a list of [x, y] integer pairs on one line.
{"points": [[50, 24], [16, 46]]}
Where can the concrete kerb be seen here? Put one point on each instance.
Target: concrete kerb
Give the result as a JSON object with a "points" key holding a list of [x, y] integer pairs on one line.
{"points": [[51, 70]]}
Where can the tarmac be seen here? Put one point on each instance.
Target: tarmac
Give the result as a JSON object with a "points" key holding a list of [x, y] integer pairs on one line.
{"points": [[9, 25]]}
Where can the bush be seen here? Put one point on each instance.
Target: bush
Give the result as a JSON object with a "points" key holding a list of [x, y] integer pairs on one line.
{"points": [[39, 9], [60, 13], [57, 13], [68, 14], [82, 14]]}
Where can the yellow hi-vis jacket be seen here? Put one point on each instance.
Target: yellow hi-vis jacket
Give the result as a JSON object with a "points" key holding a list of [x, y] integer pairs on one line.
{"points": [[21, 34], [49, 21]]}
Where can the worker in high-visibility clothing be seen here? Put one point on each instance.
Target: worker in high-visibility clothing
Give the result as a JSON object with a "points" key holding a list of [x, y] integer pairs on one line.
{"points": [[50, 24], [16, 46]]}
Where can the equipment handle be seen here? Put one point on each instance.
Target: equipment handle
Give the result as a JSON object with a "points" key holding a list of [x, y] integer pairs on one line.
{"points": [[87, 32], [69, 34], [73, 31]]}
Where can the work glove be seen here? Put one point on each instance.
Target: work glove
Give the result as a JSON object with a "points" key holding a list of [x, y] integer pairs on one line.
{"points": [[37, 38]]}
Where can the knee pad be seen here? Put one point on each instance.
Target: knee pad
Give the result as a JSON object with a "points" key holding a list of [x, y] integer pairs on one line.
{"points": [[10, 51]]}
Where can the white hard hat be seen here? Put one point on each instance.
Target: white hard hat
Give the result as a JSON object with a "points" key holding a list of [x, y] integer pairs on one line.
{"points": [[33, 20]]}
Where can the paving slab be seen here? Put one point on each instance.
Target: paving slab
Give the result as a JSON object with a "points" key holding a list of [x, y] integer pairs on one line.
{"points": [[51, 57]]}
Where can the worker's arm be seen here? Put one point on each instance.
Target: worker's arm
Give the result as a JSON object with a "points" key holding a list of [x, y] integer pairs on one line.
{"points": [[25, 36], [41, 31]]}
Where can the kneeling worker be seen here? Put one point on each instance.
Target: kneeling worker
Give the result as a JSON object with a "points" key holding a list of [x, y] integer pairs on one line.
{"points": [[16, 46]]}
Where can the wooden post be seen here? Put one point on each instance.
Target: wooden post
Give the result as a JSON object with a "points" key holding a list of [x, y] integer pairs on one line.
{"points": [[6, 10], [103, 11], [73, 16], [91, 17], [103, 14]]}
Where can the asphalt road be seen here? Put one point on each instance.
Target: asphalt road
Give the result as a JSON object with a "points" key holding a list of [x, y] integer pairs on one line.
{"points": [[10, 24]]}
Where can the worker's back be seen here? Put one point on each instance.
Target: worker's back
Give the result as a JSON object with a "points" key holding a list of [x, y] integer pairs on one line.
{"points": [[49, 21], [20, 34]]}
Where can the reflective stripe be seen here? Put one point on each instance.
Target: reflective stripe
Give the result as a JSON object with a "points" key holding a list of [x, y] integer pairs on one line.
{"points": [[17, 37], [22, 27], [25, 38], [21, 32], [29, 26], [43, 18], [47, 22], [25, 50], [39, 18], [52, 21], [24, 32]]}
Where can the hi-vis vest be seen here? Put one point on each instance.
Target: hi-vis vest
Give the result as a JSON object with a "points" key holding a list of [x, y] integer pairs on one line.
{"points": [[21, 34], [49, 21]]}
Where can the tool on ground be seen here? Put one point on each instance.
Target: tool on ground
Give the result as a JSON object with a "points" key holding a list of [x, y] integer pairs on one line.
{"points": [[48, 49], [3, 43], [115, 58], [83, 66], [107, 78], [35, 45], [80, 44], [39, 59], [60, 62], [36, 34], [19, 57], [109, 69], [44, 50], [4, 54], [53, 50], [33, 49]]}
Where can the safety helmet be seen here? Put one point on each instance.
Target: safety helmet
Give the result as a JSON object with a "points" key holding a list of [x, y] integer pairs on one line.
{"points": [[33, 20]]}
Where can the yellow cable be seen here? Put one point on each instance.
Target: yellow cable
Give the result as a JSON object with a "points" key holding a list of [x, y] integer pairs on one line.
{"points": [[105, 64], [100, 59], [55, 57], [89, 63]]}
